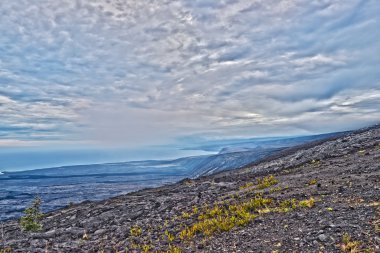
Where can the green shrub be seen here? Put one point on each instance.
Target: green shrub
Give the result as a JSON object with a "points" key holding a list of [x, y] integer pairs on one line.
{"points": [[31, 220]]}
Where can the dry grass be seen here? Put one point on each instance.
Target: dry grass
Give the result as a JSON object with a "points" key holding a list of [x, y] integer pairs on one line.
{"points": [[307, 203]]}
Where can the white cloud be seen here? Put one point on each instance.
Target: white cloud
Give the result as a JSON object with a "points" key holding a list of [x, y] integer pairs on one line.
{"points": [[91, 69]]}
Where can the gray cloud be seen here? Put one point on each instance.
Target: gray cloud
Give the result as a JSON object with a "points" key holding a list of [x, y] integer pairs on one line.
{"points": [[130, 72]]}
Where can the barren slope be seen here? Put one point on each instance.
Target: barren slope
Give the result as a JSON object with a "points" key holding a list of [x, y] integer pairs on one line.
{"points": [[317, 195]]}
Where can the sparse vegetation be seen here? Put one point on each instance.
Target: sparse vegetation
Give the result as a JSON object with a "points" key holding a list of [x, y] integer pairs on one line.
{"points": [[32, 219], [224, 218], [173, 249], [186, 215], [136, 231], [7, 250], [287, 205], [266, 182], [349, 245], [312, 182], [201, 222], [85, 236], [101, 248], [275, 189], [195, 210], [145, 248], [261, 183], [247, 185], [219, 219], [315, 162], [307, 203], [376, 222], [169, 235]]}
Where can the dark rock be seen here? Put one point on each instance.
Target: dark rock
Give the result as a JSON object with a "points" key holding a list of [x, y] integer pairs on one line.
{"points": [[259, 220], [136, 214]]}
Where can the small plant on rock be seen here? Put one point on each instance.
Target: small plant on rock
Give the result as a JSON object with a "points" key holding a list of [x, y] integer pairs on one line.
{"points": [[307, 203], [169, 235], [247, 185], [7, 250], [277, 189], [315, 162], [349, 245], [312, 182], [146, 248], [186, 215], [136, 231], [266, 182], [31, 220], [173, 249]]}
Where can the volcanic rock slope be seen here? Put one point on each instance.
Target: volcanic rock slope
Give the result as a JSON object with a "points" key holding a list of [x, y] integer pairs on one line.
{"points": [[320, 197]]}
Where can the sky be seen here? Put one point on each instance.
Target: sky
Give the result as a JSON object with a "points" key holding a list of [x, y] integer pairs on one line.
{"points": [[128, 74]]}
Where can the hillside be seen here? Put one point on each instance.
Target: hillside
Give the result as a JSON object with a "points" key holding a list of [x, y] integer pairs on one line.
{"points": [[318, 197], [60, 186]]}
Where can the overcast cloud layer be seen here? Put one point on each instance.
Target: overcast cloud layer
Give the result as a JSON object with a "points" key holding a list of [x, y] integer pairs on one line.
{"points": [[123, 72]]}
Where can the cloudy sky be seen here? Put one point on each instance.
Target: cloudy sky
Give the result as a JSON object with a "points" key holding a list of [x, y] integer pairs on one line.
{"points": [[128, 73]]}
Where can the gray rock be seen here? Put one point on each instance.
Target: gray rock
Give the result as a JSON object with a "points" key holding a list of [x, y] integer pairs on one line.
{"points": [[75, 231], [99, 231], [36, 243], [46, 235], [51, 233], [135, 215], [322, 237]]}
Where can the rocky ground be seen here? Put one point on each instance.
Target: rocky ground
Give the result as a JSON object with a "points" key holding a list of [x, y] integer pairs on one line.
{"points": [[320, 197]]}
